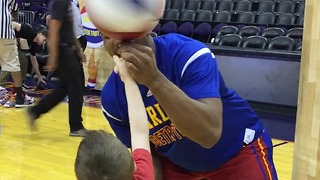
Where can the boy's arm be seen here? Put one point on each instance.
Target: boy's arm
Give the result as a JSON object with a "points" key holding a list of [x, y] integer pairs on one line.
{"points": [[137, 116], [138, 119]]}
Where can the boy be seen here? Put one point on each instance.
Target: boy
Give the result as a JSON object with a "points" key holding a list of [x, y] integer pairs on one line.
{"points": [[102, 156]]}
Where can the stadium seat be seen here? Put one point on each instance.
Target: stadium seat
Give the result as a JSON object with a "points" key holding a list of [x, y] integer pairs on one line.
{"points": [[223, 16], [286, 19], [258, 42], [172, 14], [157, 29], [300, 7], [209, 5], [228, 29], [202, 32], [272, 32], [300, 20], [249, 31], [281, 43], [298, 46], [178, 4], [233, 40], [295, 33], [204, 15], [169, 27], [266, 18], [266, 6], [187, 15], [186, 29], [243, 5], [285, 7], [246, 17], [193, 5], [225, 5], [168, 4]]}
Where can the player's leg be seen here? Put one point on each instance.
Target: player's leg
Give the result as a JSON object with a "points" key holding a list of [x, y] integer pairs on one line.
{"points": [[4, 75], [23, 65], [166, 170], [71, 74], [253, 162], [158, 174], [10, 63]]}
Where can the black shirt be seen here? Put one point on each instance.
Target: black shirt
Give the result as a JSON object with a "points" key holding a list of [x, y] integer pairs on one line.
{"points": [[26, 32], [61, 10]]}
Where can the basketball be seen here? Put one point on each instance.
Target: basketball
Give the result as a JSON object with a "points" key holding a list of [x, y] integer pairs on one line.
{"points": [[125, 19]]}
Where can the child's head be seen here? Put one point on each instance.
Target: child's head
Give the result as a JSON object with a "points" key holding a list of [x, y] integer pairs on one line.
{"points": [[102, 156]]}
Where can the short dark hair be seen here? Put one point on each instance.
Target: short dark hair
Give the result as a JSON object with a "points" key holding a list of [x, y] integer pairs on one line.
{"points": [[102, 156], [44, 32]]}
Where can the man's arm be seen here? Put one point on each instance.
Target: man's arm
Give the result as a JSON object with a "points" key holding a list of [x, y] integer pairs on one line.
{"points": [[199, 120], [54, 34], [79, 50], [35, 67], [16, 26]]}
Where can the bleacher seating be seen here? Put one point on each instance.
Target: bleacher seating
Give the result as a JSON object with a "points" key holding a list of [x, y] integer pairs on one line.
{"points": [[248, 24], [239, 24]]}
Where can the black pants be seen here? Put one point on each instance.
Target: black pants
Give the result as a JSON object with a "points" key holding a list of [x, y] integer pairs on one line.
{"points": [[70, 73], [83, 42]]}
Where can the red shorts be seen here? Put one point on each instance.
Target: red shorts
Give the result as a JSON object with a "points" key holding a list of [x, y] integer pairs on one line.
{"points": [[253, 162]]}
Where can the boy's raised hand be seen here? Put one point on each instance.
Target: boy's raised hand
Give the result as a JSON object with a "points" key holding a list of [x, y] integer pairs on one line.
{"points": [[121, 68]]}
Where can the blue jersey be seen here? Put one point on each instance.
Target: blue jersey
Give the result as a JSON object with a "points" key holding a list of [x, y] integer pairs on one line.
{"points": [[192, 67]]}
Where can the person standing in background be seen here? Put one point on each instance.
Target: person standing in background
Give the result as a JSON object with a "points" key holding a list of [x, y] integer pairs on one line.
{"points": [[34, 39], [77, 24], [9, 60], [65, 56]]}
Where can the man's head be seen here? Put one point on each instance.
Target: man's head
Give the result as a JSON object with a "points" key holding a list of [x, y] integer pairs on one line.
{"points": [[41, 37], [112, 44], [102, 156]]}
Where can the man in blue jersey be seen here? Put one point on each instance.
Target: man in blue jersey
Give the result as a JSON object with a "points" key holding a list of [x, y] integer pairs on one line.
{"points": [[199, 128]]}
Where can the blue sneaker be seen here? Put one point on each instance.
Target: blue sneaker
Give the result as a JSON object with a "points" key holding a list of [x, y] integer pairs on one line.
{"points": [[3, 92], [11, 102], [6, 98]]}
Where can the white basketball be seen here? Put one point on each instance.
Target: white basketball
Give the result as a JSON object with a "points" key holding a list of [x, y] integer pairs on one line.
{"points": [[125, 19]]}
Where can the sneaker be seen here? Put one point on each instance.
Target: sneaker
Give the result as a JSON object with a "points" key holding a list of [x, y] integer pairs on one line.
{"points": [[25, 87], [11, 102], [32, 117], [79, 133], [6, 98], [28, 101], [3, 92]]}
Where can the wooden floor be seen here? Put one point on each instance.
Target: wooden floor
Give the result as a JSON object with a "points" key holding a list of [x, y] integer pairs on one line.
{"points": [[49, 152]]}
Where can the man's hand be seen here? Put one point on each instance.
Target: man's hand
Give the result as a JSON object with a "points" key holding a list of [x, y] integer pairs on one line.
{"points": [[142, 64], [40, 80], [82, 56]]}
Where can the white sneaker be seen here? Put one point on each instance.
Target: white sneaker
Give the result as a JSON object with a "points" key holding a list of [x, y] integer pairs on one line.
{"points": [[28, 101]]}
